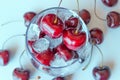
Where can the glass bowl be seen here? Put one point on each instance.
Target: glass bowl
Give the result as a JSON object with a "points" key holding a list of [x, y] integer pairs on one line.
{"points": [[58, 67]]}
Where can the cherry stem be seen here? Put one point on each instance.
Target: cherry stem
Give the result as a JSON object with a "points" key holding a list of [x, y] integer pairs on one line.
{"points": [[6, 23], [101, 65], [89, 59], [60, 3], [78, 6], [96, 12], [55, 21], [21, 58], [11, 38], [78, 27]]}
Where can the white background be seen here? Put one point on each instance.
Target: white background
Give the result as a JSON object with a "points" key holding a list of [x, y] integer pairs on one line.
{"points": [[11, 10]]}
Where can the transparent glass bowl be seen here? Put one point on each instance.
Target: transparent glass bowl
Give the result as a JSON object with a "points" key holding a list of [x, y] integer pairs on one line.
{"points": [[33, 32]]}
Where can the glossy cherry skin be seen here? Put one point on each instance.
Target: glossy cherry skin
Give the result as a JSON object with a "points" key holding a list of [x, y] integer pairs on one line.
{"points": [[101, 73], [110, 3], [42, 34], [85, 15], [28, 16], [72, 40], [21, 74], [4, 57], [45, 57], [59, 78], [96, 36], [64, 52], [113, 19], [71, 22], [52, 25]]}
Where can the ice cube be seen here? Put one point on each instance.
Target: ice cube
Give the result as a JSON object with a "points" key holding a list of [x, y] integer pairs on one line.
{"points": [[58, 61], [36, 29], [41, 45], [34, 32], [64, 16], [32, 36], [54, 42]]}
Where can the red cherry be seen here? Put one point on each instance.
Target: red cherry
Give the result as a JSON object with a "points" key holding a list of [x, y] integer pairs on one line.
{"points": [[52, 25], [20, 74], [119, 21], [85, 15], [72, 40], [28, 16], [110, 3], [64, 52], [42, 34], [71, 22], [113, 19], [96, 36], [30, 42], [45, 57], [59, 78], [4, 57], [101, 73]]}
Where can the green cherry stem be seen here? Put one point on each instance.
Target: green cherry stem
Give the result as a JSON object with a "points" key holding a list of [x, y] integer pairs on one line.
{"points": [[78, 6], [96, 12], [89, 58], [55, 21], [3, 46], [101, 65], [60, 3], [78, 27], [21, 58]]}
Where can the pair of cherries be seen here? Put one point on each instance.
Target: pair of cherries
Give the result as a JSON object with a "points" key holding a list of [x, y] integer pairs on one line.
{"points": [[18, 73], [113, 21], [112, 18]]}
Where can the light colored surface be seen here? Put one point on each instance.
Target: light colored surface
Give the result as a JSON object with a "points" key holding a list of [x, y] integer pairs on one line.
{"points": [[14, 10]]}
